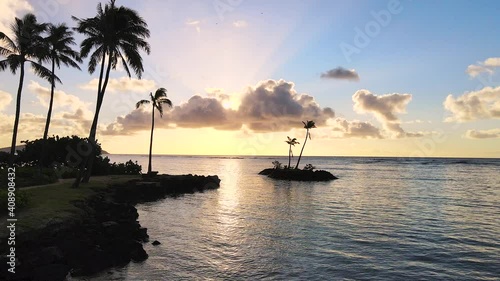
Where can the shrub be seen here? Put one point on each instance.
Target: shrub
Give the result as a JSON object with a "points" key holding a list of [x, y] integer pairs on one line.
{"points": [[22, 200], [309, 167], [277, 164]]}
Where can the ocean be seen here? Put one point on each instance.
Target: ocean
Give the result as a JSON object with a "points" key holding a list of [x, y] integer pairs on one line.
{"points": [[383, 219]]}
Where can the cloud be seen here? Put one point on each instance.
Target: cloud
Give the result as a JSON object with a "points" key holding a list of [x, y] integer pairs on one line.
{"points": [[269, 106], [5, 100], [486, 66], [240, 24], [276, 106], [384, 108], [357, 129], [195, 23], [483, 134], [123, 84], [341, 73], [61, 99], [482, 104], [11, 9]]}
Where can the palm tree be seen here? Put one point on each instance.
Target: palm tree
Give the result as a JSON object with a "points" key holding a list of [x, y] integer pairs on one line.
{"points": [[307, 125], [114, 34], [290, 153], [59, 41], [157, 101], [26, 46]]}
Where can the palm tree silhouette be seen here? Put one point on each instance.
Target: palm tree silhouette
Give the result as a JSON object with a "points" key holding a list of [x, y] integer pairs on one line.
{"points": [[58, 44], [115, 34], [290, 153], [157, 101], [307, 125], [26, 46]]}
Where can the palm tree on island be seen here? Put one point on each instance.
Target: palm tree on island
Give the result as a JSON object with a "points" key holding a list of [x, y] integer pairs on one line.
{"points": [[115, 34], [157, 101], [290, 152], [59, 41], [26, 46], [307, 125]]}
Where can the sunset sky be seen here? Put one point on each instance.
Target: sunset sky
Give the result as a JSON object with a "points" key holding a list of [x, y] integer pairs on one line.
{"points": [[380, 78]]}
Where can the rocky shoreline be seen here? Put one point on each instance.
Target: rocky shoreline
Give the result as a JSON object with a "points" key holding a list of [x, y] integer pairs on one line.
{"points": [[104, 235]]}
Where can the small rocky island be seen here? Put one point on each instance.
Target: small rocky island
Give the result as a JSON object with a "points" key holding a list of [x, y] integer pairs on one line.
{"points": [[298, 175], [286, 172]]}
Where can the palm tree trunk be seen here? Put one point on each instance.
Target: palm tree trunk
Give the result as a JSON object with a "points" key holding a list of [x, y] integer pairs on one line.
{"points": [[151, 141], [49, 114], [81, 171], [300, 156], [51, 102], [93, 129], [289, 156], [18, 111]]}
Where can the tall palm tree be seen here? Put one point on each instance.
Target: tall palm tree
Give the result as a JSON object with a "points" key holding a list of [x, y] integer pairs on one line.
{"points": [[26, 46], [290, 153], [114, 34], [157, 102], [59, 41], [307, 125]]}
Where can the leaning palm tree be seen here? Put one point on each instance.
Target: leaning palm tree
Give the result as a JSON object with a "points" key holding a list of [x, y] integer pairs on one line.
{"points": [[157, 102], [25, 46], [114, 34], [307, 125], [290, 153], [59, 41]]}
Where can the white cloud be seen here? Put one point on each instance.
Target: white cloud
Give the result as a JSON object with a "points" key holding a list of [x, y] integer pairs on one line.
{"points": [[482, 104], [5, 100], [268, 107], [123, 84], [357, 129], [61, 99], [384, 108], [240, 24], [195, 23], [11, 9], [486, 66], [483, 134]]}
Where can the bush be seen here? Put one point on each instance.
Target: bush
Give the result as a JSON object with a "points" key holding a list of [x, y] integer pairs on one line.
{"points": [[28, 176], [277, 164], [309, 167], [22, 200]]}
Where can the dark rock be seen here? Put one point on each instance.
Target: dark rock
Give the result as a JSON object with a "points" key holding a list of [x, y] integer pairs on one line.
{"points": [[298, 175], [156, 243], [53, 272], [138, 254]]}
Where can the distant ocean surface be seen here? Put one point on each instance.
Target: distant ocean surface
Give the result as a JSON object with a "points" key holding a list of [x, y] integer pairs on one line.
{"points": [[383, 219]]}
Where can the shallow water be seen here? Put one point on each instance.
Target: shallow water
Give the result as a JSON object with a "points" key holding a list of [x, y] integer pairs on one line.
{"points": [[383, 219]]}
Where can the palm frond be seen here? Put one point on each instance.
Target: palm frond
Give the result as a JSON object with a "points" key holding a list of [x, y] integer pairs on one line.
{"points": [[9, 43], [42, 72], [141, 102], [165, 101], [160, 93]]}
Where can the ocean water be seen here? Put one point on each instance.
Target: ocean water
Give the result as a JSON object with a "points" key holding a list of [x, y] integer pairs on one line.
{"points": [[383, 219]]}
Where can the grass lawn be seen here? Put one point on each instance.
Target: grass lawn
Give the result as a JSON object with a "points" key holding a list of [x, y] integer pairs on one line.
{"points": [[52, 203]]}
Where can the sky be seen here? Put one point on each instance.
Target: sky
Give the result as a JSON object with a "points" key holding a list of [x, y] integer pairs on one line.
{"points": [[380, 78]]}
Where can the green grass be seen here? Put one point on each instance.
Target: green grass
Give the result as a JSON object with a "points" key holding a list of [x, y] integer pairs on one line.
{"points": [[52, 203]]}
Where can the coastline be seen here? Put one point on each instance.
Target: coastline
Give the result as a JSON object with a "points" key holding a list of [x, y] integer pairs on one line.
{"points": [[104, 234]]}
